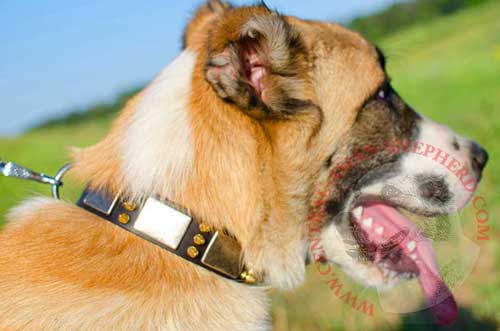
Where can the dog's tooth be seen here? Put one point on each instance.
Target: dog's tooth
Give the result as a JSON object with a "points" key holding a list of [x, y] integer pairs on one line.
{"points": [[356, 212], [379, 229], [411, 245], [368, 222], [413, 256]]}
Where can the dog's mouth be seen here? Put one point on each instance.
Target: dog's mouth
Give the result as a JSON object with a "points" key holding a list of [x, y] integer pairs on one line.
{"points": [[390, 241]]}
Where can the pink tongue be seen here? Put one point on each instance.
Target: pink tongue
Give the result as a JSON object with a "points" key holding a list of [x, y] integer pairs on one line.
{"points": [[438, 296]]}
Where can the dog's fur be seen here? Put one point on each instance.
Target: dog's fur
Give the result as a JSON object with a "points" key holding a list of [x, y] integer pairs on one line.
{"points": [[242, 128]]}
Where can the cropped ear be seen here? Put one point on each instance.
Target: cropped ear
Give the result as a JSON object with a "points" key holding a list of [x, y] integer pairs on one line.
{"points": [[196, 28], [257, 61]]}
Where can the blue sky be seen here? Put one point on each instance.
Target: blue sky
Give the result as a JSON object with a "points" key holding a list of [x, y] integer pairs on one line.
{"points": [[60, 55]]}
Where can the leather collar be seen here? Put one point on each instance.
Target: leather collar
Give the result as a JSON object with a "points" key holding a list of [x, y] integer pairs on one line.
{"points": [[170, 227]]}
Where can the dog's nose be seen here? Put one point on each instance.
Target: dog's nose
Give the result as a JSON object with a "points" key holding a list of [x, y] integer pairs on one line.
{"points": [[479, 157]]}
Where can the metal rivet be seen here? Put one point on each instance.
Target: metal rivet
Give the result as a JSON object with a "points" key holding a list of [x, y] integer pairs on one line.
{"points": [[130, 206], [248, 277], [198, 239], [124, 218], [204, 227], [192, 252]]}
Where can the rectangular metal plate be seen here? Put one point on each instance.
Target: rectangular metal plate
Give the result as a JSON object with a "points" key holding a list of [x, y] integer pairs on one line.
{"points": [[101, 202], [162, 222], [223, 254]]}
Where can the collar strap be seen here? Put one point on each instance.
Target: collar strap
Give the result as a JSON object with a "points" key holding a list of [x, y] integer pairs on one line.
{"points": [[171, 228]]}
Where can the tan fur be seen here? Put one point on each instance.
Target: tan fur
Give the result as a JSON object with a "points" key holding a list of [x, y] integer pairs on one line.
{"points": [[63, 268]]}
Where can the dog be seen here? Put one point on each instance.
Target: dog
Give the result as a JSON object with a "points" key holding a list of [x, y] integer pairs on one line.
{"points": [[264, 128]]}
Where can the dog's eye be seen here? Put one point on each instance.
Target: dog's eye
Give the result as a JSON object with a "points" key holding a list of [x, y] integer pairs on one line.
{"points": [[383, 93]]}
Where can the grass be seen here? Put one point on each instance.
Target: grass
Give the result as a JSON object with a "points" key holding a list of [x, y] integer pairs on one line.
{"points": [[449, 70], [45, 150]]}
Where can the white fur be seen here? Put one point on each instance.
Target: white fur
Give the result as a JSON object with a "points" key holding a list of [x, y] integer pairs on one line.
{"points": [[27, 207], [158, 147], [441, 137], [337, 242]]}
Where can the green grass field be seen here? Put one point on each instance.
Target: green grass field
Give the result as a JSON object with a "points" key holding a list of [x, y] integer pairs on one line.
{"points": [[449, 70]]}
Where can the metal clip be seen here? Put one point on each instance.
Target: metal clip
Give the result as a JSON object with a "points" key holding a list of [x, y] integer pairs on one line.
{"points": [[11, 169]]}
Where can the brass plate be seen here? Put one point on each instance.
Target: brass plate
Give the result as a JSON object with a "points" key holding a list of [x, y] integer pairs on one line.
{"points": [[223, 255]]}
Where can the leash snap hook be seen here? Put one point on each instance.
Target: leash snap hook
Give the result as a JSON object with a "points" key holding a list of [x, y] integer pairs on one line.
{"points": [[11, 169], [58, 177]]}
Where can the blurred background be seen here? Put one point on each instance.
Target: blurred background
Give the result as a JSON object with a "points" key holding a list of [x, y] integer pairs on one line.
{"points": [[67, 68]]}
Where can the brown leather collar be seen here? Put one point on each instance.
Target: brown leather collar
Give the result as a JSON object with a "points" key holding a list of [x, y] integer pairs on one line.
{"points": [[170, 227]]}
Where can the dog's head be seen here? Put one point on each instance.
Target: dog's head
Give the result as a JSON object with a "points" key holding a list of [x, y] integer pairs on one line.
{"points": [[299, 141], [338, 128]]}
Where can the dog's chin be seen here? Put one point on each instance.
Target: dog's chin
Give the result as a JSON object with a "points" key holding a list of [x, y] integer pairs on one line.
{"points": [[345, 252]]}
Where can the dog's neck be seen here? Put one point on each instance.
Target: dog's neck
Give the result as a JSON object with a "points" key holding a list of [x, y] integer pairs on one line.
{"points": [[176, 139]]}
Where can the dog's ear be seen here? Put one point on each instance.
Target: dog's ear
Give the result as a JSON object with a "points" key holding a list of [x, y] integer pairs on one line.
{"points": [[257, 60], [196, 28]]}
